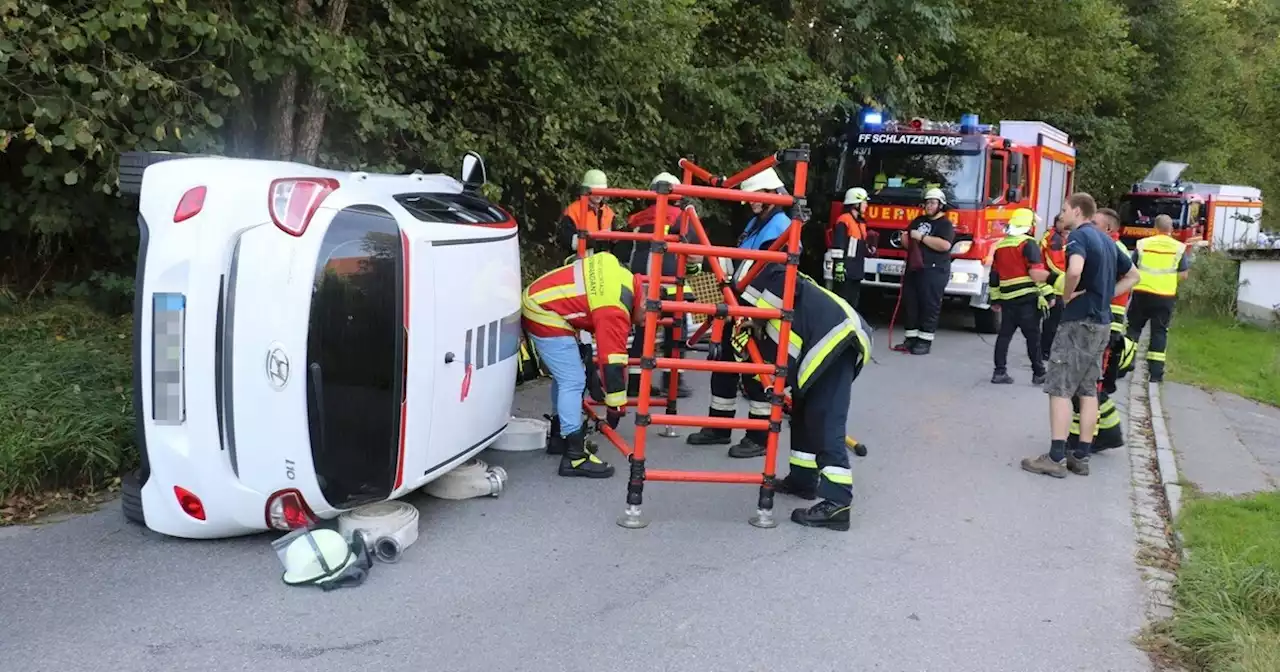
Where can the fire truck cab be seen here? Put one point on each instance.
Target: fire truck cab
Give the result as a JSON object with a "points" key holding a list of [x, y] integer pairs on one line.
{"points": [[1214, 215], [986, 173]]}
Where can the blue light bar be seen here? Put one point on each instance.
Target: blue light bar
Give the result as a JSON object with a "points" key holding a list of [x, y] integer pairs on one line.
{"points": [[968, 123]]}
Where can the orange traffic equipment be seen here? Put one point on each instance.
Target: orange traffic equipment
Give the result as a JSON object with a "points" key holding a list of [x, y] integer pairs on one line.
{"points": [[786, 250]]}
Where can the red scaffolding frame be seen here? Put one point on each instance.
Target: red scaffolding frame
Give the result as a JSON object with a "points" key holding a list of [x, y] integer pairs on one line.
{"points": [[785, 250]]}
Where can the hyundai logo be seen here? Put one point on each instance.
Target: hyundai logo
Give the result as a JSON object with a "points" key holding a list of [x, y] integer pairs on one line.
{"points": [[277, 368]]}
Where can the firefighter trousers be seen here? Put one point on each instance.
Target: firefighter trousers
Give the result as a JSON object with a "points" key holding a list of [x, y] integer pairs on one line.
{"points": [[1049, 328], [724, 397], [818, 421], [922, 293], [1020, 314], [1158, 310], [1107, 432], [851, 288]]}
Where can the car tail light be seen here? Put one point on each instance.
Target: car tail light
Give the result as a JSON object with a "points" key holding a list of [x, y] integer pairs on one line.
{"points": [[294, 200], [191, 505], [286, 510], [191, 204]]}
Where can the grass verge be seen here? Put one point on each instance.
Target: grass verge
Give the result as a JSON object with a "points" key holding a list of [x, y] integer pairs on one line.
{"points": [[1228, 590], [66, 412], [1221, 353]]}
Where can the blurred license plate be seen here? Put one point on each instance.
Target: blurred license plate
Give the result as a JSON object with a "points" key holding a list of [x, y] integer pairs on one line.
{"points": [[168, 338], [890, 267]]}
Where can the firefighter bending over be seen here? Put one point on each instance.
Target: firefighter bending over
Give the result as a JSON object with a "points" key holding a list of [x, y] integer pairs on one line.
{"points": [[1162, 261], [1017, 287], [927, 273], [829, 344], [593, 216], [766, 224], [847, 246], [596, 295]]}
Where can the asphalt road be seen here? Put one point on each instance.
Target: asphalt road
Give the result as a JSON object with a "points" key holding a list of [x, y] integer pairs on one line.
{"points": [[957, 561]]}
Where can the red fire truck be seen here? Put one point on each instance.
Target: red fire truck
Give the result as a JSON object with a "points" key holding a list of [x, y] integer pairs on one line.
{"points": [[1219, 215], [986, 172]]}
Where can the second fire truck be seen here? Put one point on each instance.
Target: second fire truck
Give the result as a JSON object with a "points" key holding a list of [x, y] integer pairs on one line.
{"points": [[987, 172]]}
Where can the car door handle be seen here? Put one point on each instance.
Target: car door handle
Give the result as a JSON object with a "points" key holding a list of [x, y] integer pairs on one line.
{"points": [[448, 358]]}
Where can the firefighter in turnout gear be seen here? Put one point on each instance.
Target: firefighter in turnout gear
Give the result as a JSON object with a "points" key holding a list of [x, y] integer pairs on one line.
{"points": [[1162, 261], [599, 296], [928, 241], [1120, 302], [638, 260], [1118, 360], [1017, 288], [1053, 248], [766, 225], [847, 246], [592, 216], [828, 346]]}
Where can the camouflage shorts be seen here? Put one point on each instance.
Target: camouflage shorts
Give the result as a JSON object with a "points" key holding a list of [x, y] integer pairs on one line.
{"points": [[1075, 359]]}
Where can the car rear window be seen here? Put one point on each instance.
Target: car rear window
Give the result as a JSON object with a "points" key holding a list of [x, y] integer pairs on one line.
{"points": [[355, 357], [452, 208]]}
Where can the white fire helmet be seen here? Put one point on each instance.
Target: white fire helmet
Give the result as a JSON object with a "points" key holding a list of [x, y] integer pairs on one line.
{"points": [[664, 177], [935, 194], [855, 195], [765, 180], [320, 557]]}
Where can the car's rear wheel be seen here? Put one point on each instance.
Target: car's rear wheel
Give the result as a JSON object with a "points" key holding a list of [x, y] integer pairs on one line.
{"points": [[131, 498]]}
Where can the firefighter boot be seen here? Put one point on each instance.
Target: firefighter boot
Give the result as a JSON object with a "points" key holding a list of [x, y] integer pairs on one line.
{"points": [[921, 347], [682, 390], [793, 487], [579, 461], [555, 442], [906, 345], [826, 514], [711, 437]]}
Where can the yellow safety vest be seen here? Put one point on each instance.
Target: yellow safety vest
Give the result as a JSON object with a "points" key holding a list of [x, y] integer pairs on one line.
{"points": [[1158, 259]]}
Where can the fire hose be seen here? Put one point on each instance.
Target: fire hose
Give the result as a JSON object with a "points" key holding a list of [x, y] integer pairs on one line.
{"points": [[388, 528]]}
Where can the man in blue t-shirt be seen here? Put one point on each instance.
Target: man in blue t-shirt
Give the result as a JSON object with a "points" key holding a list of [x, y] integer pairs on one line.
{"points": [[1096, 271]]}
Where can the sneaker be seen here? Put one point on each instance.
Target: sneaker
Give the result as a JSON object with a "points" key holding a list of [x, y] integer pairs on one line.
{"points": [[1045, 465], [1078, 465], [746, 448], [1037, 379], [1001, 379], [826, 514]]}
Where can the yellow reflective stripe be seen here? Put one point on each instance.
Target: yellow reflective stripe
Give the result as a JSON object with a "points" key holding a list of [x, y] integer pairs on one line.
{"points": [[1117, 327], [851, 318], [556, 293], [616, 399], [617, 358], [537, 314], [1013, 241], [838, 475], [1153, 356], [1108, 418], [1075, 424], [803, 460]]}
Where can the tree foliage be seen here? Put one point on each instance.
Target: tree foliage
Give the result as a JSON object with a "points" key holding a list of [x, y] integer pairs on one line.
{"points": [[545, 90]]}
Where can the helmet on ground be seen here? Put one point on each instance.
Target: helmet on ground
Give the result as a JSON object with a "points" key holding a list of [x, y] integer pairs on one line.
{"points": [[765, 180], [316, 556], [855, 195], [1021, 222], [935, 194], [595, 179], [664, 177]]}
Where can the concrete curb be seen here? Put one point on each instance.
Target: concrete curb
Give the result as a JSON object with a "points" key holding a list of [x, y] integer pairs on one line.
{"points": [[1165, 460]]}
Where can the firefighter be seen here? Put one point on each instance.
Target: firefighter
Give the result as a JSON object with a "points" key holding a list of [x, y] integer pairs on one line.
{"points": [[1110, 221], [767, 223], [643, 222], [595, 215], [828, 346], [599, 296], [1053, 248], [1162, 261], [1018, 289], [847, 246], [928, 271]]}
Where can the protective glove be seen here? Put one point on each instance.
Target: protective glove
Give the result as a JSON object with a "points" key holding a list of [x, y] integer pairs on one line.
{"points": [[740, 344], [613, 416], [1042, 303], [839, 275]]}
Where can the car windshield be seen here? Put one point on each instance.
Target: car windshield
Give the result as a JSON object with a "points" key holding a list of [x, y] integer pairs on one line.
{"points": [[901, 178], [1142, 210]]}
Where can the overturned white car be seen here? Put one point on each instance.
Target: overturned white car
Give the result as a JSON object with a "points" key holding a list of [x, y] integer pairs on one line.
{"points": [[307, 341]]}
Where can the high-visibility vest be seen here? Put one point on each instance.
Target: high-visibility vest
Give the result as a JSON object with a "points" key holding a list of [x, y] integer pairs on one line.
{"points": [[1012, 270], [1053, 245], [1120, 302], [1158, 259]]}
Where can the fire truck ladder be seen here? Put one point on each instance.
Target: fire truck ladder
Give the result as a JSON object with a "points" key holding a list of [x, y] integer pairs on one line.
{"points": [[786, 249]]}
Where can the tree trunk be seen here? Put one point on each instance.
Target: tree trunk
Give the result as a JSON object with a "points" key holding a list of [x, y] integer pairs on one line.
{"points": [[317, 99], [286, 108]]}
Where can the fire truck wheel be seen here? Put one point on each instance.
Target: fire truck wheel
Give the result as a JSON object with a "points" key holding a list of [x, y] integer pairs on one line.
{"points": [[986, 321]]}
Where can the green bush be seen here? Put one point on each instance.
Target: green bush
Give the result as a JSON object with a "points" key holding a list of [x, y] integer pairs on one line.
{"points": [[1211, 286], [66, 411]]}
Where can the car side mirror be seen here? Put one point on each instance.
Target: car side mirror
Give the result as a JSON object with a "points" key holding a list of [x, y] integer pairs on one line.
{"points": [[473, 172]]}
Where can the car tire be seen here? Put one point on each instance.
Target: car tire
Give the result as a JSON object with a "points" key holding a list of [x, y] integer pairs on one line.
{"points": [[131, 498], [986, 321]]}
